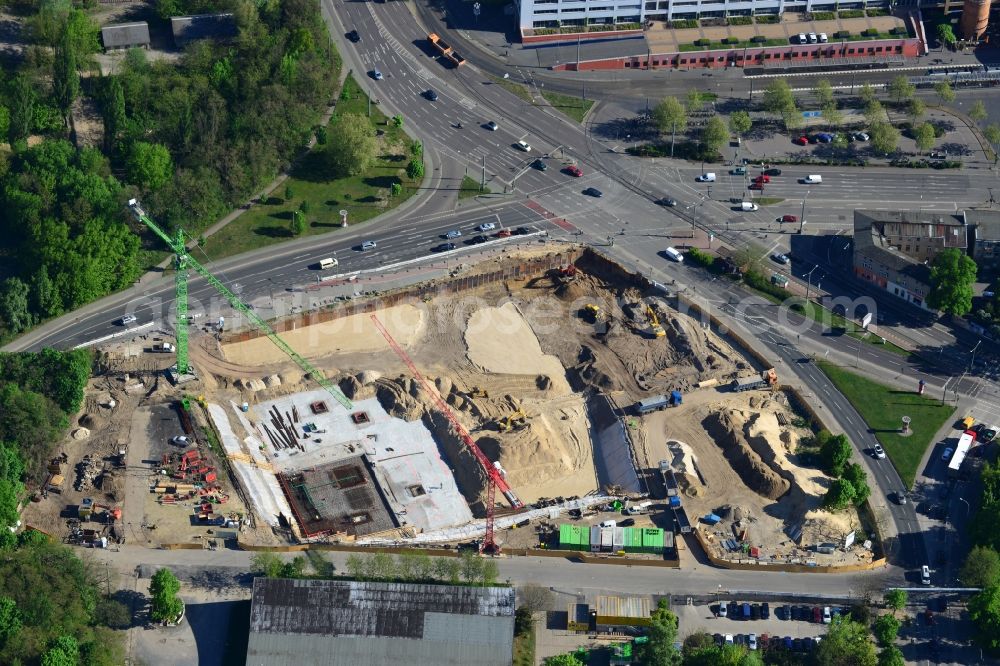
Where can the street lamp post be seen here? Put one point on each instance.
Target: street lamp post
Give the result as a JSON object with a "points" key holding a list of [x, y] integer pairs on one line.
{"points": [[809, 280], [972, 363], [968, 508]]}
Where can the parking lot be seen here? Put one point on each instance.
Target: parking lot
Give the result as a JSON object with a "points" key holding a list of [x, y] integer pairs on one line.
{"points": [[790, 626]]}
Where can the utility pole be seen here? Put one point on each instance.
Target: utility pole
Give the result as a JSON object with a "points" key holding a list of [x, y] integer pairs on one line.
{"points": [[972, 363], [673, 134], [482, 183], [802, 218], [809, 280]]}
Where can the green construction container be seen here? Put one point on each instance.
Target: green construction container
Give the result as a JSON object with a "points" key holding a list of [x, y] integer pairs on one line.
{"points": [[633, 540], [652, 540], [574, 537]]}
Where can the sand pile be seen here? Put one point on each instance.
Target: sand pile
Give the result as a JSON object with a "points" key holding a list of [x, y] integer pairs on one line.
{"points": [[500, 340], [727, 432], [773, 444]]}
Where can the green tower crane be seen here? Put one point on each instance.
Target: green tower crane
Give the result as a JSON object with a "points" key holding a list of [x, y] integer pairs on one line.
{"points": [[183, 262]]}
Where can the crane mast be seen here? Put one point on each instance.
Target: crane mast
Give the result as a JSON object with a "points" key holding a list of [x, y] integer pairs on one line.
{"points": [[183, 262]]}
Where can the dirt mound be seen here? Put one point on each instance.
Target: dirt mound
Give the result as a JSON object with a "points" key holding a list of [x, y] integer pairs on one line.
{"points": [[92, 421], [755, 472], [398, 398]]}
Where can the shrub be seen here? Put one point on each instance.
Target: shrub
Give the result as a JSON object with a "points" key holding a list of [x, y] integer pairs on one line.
{"points": [[683, 23], [740, 20], [851, 13], [767, 18], [758, 39], [628, 26], [702, 42], [823, 16], [545, 31], [877, 12], [761, 283], [731, 40], [842, 34], [870, 32]]}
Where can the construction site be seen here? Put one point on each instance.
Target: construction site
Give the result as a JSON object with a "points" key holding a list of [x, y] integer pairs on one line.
{"points": [[500, 395]]}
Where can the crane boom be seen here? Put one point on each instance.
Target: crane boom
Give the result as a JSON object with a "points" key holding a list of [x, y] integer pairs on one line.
{"points": [[185, 260], [494, 477]]}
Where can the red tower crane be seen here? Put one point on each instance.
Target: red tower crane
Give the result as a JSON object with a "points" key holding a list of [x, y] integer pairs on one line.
{"points": [[495, 478]]}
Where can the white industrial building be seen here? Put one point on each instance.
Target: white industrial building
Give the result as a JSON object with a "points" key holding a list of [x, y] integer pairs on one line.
{"points": [[564, 13]]}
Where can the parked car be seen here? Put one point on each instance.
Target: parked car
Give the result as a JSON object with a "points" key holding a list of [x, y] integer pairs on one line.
{"points": [[574, 170], [787, 218], [668, 202], [802, 140], [925, 575], [765, 611], [860, 136], [946, 456], [454, 233], [444, 247], [523, 145], [180, 440], [752, 641], [492, 126], [540, 165], [368, 245], [593, 192], [723, 611], [377, 75], [754, 611], [878, 451], [827, 617], [354, 36], [522, 231], [431, 95], [817, 614], [504, 233], [781, 258], [773, 171], [487, 226], [480, 239], [128, 319]]}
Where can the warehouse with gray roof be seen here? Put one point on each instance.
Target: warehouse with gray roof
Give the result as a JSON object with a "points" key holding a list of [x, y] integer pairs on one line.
{"points": [[358, 623]]}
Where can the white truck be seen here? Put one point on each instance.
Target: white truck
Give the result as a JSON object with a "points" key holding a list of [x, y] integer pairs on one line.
{"points": [[164, 348]]}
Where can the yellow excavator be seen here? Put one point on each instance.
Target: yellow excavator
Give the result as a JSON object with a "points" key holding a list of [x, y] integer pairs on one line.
{"points": [[654, 323], [513, 421], [593, 312]]}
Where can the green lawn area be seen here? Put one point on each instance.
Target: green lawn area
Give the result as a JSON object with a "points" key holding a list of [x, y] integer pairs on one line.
{"points": [[470, 188], [883, 408], [518, 89], [829, 320], [574, 107], [363, 196], [524, 649]]}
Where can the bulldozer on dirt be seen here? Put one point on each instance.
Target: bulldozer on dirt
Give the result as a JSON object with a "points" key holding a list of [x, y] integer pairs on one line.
{"points": [[564, 274], [514, 421], [593, 313], [655, 328]]}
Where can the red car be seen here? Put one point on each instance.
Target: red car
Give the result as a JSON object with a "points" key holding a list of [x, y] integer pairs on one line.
{"points": [[756, 186], [574, 170], [788, 218], [802, 140], [504, 233], [763, 178]]}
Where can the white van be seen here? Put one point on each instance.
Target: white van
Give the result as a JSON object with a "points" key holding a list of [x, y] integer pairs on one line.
{"points": [[706, 178], [748, 206], [328, 263], [823, 38], [674, 254], [609, 523], [812, 180], [925, 575], [802, 38]]}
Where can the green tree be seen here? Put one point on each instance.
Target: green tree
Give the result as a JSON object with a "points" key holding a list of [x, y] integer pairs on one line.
{"points": [[846, 642], [978, 111], [992, 133], [984, 610], [885, 629], [901, 90], [874, 112], [352, 146], [65, 78], [524, 622], [868, 94], [944, 91], [834, 453], [856, 474], [840, 495], [304, 206], [714, 135], [289, 192], [896, 599], [834, 118], [981, 568], [267, 564], [415, 169], [891, 656], [416, 149], [884, 136], [778, 98], [696, 99], [562, 660], [946, 35], [165, 605], [824, 93], [472, 567], [15, 315], [740, 123], [149, 165], [22, 103], [952, 275], [792, 119], [915, 110], [670, 115], [65, 651], [355, 566], [395, 189], [397, 121], [924, 137], [10, 620], [381, 566], [660, 650], [294, 568]]}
